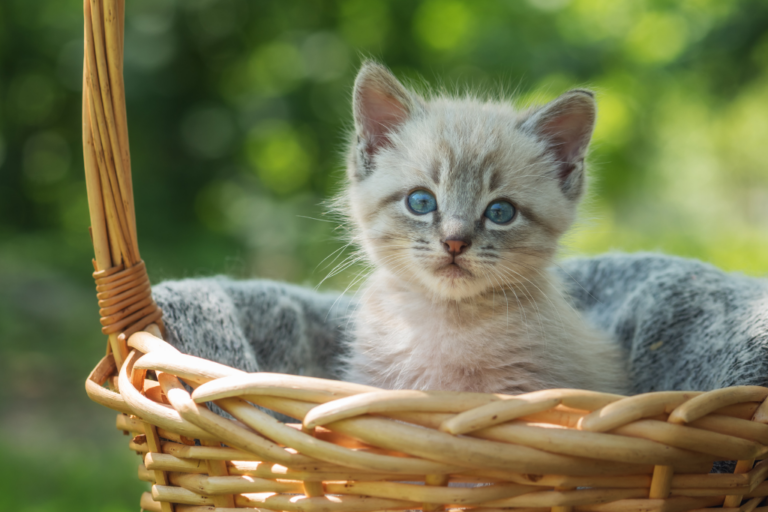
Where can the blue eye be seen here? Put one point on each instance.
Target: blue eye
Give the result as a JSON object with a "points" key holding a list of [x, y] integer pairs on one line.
{"points": [[421, 202], [500, 212]]}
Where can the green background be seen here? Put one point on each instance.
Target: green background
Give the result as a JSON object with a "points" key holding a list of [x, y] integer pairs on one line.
{"points": [[238, 111]]}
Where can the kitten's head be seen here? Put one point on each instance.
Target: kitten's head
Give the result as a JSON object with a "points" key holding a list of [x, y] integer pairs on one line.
{"points": [[460, 196]]}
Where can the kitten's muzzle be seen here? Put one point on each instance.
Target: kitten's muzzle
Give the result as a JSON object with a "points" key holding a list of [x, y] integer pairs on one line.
{"points": [[455, 246]]}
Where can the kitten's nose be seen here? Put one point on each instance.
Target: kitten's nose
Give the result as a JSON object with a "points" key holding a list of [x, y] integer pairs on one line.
{"points": [[456, 246]]}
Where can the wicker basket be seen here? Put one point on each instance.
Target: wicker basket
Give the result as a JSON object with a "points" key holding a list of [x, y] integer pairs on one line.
{"points": [[359, 448]]}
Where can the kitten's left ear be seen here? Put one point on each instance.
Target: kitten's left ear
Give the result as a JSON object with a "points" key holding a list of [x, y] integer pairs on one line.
{"points": [[566, 125], [380, 105]]}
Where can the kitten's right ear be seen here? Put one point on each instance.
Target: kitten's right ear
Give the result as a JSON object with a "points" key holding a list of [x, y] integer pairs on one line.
{"points": [[381, 104], [566, 125]]}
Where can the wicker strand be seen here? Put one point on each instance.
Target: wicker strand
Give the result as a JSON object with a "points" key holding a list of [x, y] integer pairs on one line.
{"points": [[743, 466], [125, 299], [161, 478], [127, 308], [218, 468]]}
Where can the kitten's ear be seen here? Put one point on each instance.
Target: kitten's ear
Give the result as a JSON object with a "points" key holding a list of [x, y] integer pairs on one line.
{"points": [[566, 125], [381, 104]]}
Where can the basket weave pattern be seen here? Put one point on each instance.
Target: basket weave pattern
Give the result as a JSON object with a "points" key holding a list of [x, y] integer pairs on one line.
{"points": [[358, 448], [364, 449]]}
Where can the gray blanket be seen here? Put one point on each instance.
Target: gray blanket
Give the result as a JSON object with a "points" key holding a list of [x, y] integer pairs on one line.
{"points": [[684, 325]]}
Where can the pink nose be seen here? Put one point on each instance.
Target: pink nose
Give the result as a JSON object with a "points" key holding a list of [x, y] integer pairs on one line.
{"points": [[455, 247]]}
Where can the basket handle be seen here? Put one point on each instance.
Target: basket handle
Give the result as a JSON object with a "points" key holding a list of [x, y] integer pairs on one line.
{"points": [[122, 285]]}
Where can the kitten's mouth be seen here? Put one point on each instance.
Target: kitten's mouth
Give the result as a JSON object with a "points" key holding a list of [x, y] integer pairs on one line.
{"points": [[453, 271]]}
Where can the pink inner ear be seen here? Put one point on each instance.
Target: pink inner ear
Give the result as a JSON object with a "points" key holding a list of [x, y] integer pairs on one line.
{"points": [[380, 114], [569, 133]]}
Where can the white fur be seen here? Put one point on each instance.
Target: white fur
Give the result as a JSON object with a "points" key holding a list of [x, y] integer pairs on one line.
{"points": [[406, 340]]}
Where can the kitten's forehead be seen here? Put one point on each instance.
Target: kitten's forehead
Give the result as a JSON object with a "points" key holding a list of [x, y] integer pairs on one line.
{"points": [[469, 149]]}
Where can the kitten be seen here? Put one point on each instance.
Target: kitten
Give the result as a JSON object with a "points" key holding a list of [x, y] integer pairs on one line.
{"points": [[459, 205]]}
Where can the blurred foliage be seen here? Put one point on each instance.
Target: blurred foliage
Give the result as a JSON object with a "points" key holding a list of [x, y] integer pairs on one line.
{"points": [[238, 113]]}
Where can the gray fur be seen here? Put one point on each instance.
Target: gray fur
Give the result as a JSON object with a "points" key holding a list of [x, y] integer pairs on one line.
{"points": [[255, 325], [713, 325], [684, 324]]}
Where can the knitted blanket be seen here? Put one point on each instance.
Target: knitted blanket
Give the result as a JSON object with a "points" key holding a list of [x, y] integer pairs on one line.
{"points": [[684, 325]]}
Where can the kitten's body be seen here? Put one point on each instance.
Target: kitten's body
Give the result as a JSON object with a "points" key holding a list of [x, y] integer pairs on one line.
{"points": [[459, 301], [404, 340]]}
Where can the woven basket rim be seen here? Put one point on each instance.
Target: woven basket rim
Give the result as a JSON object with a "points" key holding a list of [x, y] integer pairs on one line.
{"points": [[537, 450]]}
